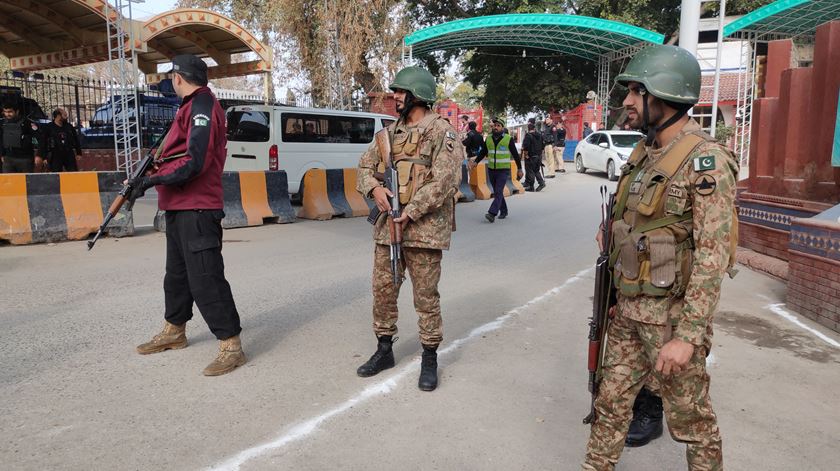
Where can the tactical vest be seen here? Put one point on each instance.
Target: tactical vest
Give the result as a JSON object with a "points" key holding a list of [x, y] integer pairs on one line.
{"points": [[12, 135], [412, 159], [652, 252], [498, 155]]}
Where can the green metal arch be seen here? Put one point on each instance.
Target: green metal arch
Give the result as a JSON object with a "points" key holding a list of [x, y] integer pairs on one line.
{"points": [[789, 17], [581, 36]]}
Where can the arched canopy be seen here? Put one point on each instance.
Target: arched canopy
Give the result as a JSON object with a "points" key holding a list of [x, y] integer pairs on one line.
{"points": [[575, 35], [785, 18], [30, 27], [204, 33], [47, 34]]}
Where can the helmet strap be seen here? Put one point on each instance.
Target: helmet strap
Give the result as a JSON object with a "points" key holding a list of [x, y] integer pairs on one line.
{"points": [[652, 130]]}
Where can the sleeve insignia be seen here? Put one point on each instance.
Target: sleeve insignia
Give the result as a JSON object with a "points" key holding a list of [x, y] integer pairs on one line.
{"points": [[704, 162], [201, 120], [705, 185], [450, 135]]}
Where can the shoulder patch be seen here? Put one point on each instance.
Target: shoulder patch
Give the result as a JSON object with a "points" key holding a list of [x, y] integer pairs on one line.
{"points": [[201, 120], [675, 192], [705, 185], [450, 135], [704, 162]]}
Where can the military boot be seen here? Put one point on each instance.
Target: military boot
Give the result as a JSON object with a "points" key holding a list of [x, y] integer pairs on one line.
{"points": [[647, 420], [172, 337], [428, 369], [230, 356], [382, 358]]}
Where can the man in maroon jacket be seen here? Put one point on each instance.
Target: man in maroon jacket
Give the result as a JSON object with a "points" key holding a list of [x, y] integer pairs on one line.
{"points": [[188, 180]]}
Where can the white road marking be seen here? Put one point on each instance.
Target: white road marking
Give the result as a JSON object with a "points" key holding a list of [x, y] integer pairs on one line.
{"points": [[385, 386], [779, 310]]}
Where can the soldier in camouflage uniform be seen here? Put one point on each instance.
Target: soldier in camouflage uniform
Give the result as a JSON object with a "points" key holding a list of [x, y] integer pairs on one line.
{"points": [[427, 155], [674, 235]]}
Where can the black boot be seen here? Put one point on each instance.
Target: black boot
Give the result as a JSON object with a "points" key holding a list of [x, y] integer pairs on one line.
{"points": [[382, 359], [428, 369], [647, 420]]}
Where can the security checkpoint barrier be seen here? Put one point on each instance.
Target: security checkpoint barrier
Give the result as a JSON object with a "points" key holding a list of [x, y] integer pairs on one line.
{"points": [[479, 182], [465, 192], [251, 198], [515, 181], [328, 193], [52, 207]]}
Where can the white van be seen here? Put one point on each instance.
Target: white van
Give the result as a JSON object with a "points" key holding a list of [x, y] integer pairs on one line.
{"points": [[266, 137]]}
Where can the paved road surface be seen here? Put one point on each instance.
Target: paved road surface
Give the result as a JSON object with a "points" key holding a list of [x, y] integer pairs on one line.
{"points": [[515, 295]]}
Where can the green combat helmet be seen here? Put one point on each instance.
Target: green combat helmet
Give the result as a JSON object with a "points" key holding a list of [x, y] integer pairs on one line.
{"points": [[416, 80], [669, 73]]}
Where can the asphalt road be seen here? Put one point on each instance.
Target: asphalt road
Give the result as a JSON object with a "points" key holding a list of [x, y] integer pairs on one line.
{"points": [[515, 294]]}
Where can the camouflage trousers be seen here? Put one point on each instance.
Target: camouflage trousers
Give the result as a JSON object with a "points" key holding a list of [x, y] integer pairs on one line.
{"points": [[632, 349], [424, 269]]}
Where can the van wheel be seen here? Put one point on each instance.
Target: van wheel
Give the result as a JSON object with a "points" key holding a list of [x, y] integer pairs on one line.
{"points": [[611, 171], [579, 168]]}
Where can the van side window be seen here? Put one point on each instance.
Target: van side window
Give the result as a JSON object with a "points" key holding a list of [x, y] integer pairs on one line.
{"points": [[298, 127], [248, 126]]}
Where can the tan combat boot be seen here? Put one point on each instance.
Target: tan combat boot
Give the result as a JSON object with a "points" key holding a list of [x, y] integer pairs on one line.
{"points": [[172, 337], [230, 356]]}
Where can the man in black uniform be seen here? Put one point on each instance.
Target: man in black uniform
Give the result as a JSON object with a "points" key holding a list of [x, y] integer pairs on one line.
{"points": [[17, 149], [532, 148], [189, 186], [473, 141], [60, 144]]}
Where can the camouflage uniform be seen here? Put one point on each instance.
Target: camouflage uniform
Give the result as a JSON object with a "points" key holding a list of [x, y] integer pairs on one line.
{"points": [[643, 324], [432, 213]]}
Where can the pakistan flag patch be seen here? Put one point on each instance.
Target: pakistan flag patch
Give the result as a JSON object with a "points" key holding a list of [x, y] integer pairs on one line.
{"points": [[705, 162], [201, 120]]}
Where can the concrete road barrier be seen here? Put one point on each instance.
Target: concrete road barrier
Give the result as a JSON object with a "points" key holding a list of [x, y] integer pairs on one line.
{"points": [[328, 193], [465, 192], [517, 185], [251, 198], [479, 182], [52, 207]]}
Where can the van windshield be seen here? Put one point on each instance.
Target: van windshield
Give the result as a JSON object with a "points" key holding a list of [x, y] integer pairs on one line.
{"points": [[248, 126], [300, 127]]}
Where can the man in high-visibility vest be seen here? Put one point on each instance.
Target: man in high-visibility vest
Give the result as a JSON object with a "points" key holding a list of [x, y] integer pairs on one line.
{"points": [[498, 148]]}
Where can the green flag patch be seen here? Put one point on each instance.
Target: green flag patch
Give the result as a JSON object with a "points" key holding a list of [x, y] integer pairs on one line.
{"points": [[705, 162]]}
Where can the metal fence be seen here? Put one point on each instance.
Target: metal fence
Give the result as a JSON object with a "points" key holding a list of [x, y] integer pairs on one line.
{"points": [[89, 106]]}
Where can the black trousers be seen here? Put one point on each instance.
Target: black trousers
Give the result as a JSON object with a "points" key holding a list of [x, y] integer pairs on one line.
{"points": [[532, 171], [195, 272], [63, 161], [18, 164]]}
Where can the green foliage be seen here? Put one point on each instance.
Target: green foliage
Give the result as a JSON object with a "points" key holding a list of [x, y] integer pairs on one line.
{"points": [[723, 132]]}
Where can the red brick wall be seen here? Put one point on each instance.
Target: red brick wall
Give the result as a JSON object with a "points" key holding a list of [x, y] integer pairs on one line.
{"points": [[814, 288], [764, 240]]}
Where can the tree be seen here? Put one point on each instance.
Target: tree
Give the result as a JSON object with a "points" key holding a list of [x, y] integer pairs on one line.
{"points": [[341, 49]]}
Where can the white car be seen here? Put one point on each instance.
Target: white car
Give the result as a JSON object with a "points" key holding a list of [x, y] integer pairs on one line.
{"points": [[606, 151]]}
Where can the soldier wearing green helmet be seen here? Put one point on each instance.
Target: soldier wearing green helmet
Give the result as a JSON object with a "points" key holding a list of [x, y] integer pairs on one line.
{"points": [[427, 155], [674, 235]]}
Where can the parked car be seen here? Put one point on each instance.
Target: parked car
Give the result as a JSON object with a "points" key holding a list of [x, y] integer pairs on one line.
{"points": [[606, 151], [269, 137], [156, 112]]}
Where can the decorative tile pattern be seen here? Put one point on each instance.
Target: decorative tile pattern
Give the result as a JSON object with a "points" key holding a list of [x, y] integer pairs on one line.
{"points": [[819, 241], [769, 216]]}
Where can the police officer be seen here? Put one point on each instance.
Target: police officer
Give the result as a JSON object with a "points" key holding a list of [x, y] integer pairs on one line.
{"points": [[674, 236], [548, 137], [532, 148], [17, 148], [60, 144], [499, 147], [188, 181], [425, 150]]}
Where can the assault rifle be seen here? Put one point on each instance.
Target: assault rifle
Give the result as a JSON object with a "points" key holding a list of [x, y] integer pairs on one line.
{"points": [[392, 182], [604, 299], [123, 196]]}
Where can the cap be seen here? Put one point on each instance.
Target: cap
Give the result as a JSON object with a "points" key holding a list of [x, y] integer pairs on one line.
{"points": [[190, 66]]}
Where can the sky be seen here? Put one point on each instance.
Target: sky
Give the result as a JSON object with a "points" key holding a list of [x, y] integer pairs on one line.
{"points": [[151, 8]]}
